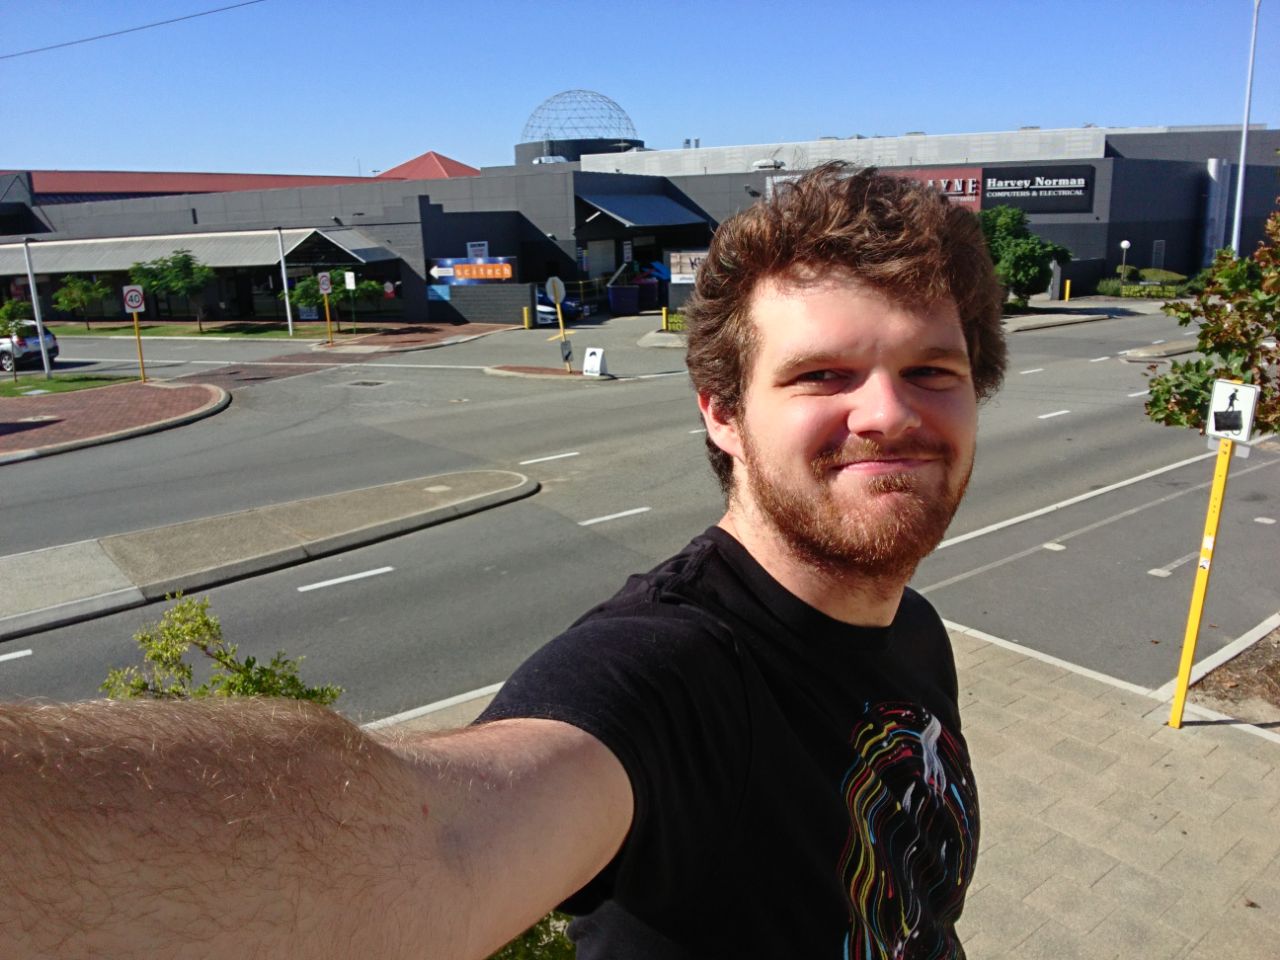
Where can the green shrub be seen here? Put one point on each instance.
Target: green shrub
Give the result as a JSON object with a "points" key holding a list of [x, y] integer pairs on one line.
{"points": [[1156, 275], [1127, 271], [1196, 284], [1109, 287]]}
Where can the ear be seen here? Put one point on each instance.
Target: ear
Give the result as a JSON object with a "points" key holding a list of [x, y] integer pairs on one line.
{"points": [[722, 430]]}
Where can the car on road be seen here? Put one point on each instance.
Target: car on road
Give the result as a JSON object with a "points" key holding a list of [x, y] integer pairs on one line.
{"points": [[24, 349], [571, 308]]}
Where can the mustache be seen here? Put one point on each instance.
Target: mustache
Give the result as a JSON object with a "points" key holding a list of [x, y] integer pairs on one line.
{"points": [[859, 450]]}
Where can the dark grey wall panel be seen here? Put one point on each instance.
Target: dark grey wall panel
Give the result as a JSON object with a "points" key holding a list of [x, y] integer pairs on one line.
{"points": [[485, 303]]}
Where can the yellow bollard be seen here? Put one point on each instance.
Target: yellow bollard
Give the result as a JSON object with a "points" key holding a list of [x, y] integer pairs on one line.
{"points": [[1066, 292], [664, 319], [527, 324]]}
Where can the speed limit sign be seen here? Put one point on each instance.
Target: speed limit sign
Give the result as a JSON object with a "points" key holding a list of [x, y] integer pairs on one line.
{"points": [[326, 285], [134, 301]]}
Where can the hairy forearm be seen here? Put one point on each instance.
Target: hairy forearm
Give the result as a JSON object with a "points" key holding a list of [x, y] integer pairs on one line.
{"points": [[206, 828]]}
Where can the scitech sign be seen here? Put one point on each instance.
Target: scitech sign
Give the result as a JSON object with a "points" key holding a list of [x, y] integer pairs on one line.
{"points": [[1039, 189]]}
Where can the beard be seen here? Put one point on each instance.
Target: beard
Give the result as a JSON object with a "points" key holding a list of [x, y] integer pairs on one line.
{"points": [[883, 540]]}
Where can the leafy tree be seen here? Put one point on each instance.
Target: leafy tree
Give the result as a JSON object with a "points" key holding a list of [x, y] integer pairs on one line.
{"points": [[1024, 262], [78, 293], [14, 316], [180, 274], [166, 675], [306, 293], [545, 940], [1237, 314]]}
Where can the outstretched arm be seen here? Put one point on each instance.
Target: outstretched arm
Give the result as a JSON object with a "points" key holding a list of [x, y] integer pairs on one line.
{"points": [[277, 828]]}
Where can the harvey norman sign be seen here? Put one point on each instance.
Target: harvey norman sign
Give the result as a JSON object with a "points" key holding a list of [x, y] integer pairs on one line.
{"points": [[1067, 189]]}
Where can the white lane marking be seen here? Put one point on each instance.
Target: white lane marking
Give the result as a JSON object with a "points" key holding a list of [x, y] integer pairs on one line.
{"points": [[1168, 568], [346, 579], [699, 430], [1264, 520], [1071, 501], [1140, 393], [554, 456], [1072, 534], [658, 376], [1056, 413], [15, 655], [1053, 546], [614, 516], [433, 707], [1156, 342], [1099, 359], [1023, 373], [429, 366]]}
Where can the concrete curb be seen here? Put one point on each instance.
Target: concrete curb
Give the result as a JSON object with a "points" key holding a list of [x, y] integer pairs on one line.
{"points": [[552, 374], [1171, 348], [219, 402], [1017, 324], [74, 611]]}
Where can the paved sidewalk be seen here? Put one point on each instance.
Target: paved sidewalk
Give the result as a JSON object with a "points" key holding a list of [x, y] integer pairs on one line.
{"points": [[1106, 835]]}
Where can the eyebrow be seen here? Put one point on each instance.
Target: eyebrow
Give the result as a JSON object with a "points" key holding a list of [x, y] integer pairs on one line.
{"points": [[831, 358]]}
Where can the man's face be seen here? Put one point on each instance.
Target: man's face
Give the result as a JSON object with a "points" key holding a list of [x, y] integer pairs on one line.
{"points": [[856, 435]]}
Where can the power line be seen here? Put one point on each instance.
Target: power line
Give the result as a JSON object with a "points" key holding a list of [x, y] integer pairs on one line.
{"points": [[117, 33]]}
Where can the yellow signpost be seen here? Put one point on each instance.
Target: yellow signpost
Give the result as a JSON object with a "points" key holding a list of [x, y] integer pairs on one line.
{"points": [[135, 302], [555, 290], [1230, 420]]}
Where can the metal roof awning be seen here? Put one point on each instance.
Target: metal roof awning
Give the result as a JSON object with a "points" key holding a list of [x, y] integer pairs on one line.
{"points": [[643, 209], [242, 248]]}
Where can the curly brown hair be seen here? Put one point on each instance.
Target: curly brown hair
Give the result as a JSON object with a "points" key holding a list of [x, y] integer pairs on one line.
{"points": [[901, 237]]}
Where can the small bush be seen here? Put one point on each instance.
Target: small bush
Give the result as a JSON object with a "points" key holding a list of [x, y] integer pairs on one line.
{"points": [[1110, 288], [1156, 275], [1127, 272]]}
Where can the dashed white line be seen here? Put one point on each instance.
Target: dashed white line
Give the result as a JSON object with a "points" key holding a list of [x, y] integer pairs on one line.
{"points": [[1099, 359], [15, 655], [554, 456], [1156, 342], [1053, 546], [613, 516], [699, 430], [1168, 568], [1056, 413], [1267, 521], [1023, 373], [346, 579], [1140, 393]]}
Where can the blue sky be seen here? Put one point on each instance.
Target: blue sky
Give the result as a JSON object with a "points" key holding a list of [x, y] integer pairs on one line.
{"points": [[313, 86]]}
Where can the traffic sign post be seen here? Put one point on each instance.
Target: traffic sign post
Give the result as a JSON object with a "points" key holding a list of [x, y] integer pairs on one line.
{"points": [[555, 290], [326, 288], [349, 281], [1230, 418], [135, 301]]}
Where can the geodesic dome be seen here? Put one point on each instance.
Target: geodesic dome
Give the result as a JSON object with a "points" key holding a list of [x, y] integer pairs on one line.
{"points": [[578, 115]]}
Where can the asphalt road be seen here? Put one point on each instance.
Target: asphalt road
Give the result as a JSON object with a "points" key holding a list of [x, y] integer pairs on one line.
{"points": [[624, 484]]}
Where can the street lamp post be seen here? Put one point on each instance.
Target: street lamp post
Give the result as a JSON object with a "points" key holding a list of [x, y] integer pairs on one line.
{"points": [[1244, 138], [35, 305], [1124, 255], [284, 278]]}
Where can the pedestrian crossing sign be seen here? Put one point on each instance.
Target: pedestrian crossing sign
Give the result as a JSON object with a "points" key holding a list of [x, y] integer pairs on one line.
{"points": [[1231, 410]]}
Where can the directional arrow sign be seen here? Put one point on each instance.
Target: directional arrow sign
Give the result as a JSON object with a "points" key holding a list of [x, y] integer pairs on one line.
{"points": [[439, 271]]}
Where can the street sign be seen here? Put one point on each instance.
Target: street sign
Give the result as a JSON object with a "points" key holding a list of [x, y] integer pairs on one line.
{"points": [[555, 289], [593, 362], [349, 280], [326, 285], [464, 271], [477, 249], [1231, 410], [566, 351], [134, 300]]}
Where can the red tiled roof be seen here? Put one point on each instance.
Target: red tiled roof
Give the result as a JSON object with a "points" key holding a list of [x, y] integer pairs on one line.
{"points": [[127, 181], [429, 166]]}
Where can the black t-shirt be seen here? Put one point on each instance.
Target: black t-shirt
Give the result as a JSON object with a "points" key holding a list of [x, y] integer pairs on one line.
{"points": [[801, 785]]}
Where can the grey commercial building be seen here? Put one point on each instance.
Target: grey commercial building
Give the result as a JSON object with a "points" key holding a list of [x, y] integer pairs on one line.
{"points": [[472, 245]]}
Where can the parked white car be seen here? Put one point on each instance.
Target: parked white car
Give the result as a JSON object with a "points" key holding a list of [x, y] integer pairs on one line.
{"points": [[24, 349]]}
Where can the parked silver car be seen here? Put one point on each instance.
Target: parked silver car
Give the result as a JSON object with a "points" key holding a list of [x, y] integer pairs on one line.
{"points": [[24, 349]]}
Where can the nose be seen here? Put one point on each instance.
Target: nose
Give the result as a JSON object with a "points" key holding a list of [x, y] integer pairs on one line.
{"points": [[883, 406]]}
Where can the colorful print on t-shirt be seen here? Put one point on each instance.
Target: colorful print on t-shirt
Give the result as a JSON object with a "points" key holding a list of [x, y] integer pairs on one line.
{"points": [[912, 835]]}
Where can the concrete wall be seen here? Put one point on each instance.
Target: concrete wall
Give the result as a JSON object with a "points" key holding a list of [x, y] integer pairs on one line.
{"points": [[485, 303]]}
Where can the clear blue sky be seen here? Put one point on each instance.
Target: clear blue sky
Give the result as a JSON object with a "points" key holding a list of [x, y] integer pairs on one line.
{"points": [[313, 86]]}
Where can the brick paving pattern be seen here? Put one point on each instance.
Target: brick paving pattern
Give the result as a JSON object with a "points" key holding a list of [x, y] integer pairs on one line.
{"points": [[43, 421]]}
